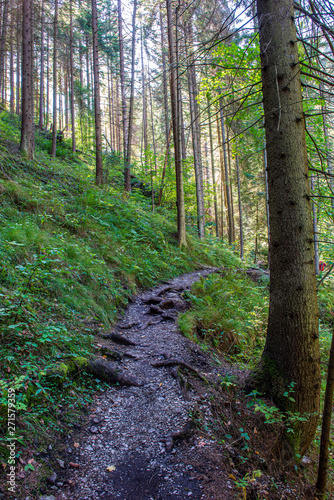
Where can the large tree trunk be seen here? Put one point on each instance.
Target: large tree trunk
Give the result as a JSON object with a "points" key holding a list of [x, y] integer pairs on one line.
{"points": [[181, 219], [27, 144], [97, 106], [54, 122], [291, 354]]}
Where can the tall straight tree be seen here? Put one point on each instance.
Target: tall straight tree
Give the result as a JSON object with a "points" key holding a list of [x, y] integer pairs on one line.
{"points": [[122, 75], [291, 353], [195, 130], [4, 23], [41, 88], [181, 219], [55, 76], [127, 173], [27, 144], [72, 78], [97, 106]]}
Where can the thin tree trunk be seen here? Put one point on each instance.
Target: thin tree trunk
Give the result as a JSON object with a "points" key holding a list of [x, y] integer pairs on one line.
{"points": [[41, 78], [227, 184], [55, 76], [72, 80], [181, 219], [328, 150], [3, 43], [118, 124], [164, 77], [213, 172], [127, 172], [144, 104], [97, 106], [11, 68], [195, 130], [47, 81], [326, 427], [122, 76], [267, 198], [27, 144], [315, 231], [165, 166], [18, 58], [240, 209]]}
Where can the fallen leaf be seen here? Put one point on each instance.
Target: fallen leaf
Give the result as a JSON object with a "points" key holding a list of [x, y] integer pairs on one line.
{"points": [[104, 356], [160, 384], [232, 477], [111, 468], [255, 430], [76, 445], [74, 465]]}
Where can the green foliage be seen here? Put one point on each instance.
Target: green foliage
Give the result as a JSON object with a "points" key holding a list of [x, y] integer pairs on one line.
{"points": [[71, 254], [229, 312]]}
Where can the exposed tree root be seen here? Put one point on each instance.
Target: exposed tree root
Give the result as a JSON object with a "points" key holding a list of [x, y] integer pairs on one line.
{"points": [[180, 362], [169, 440], [108, 372], [119, 339]]}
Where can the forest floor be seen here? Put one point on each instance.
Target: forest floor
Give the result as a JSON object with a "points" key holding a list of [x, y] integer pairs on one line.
{"points": [[186, 431]]}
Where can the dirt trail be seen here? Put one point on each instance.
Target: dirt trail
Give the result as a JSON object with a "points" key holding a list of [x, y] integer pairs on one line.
{"points": [[126, 449]]}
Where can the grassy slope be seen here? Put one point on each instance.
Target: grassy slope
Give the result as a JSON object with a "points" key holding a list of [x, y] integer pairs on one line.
{"points": [[70, 256]]}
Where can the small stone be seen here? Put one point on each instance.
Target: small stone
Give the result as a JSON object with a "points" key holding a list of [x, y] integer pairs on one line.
{"points": [[61, 463], [52, 478], [47, 497], [94, 430], [89, 448]]}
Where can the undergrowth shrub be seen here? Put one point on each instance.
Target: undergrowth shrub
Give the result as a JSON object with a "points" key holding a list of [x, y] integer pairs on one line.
{"points": [[229, 312]]}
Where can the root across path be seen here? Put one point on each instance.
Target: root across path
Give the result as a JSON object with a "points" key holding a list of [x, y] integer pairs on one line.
{"points": [[141, 442]]}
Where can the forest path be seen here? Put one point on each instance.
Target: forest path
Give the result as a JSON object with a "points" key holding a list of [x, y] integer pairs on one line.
{"points": [[121, 451]]}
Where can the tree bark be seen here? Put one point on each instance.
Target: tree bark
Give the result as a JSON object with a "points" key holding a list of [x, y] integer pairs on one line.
{"points": [[240, 209], [27, 144], [195, 131], [213, 170], [226, 175], [164, 79], [326, 427], [3, 43], [72, 80], [41, 88], [181, 219], [54, 122], [144, 103], [291, 353], [122, 76], [11, 66], [97, 106], [127, 172]]}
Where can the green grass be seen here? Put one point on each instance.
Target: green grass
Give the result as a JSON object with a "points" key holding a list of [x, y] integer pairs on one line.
{"points": [[71, 255], [230, 313]]}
